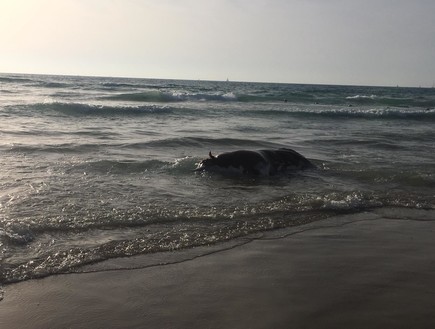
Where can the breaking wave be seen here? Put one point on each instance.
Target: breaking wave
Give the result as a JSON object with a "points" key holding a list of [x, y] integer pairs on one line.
{"points": [[168, 97], [81, 109], [350, 113]]}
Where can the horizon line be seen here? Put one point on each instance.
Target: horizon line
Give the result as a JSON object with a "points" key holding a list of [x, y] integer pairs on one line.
{"points": [[216, 80]]}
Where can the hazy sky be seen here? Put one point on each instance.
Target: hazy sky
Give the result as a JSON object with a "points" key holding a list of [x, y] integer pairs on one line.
{"points": [[368, 42]]}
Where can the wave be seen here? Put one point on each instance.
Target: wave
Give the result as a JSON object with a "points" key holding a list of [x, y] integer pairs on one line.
{"points": [[400, 100], [54, 84], [350, 113], [317, 111], [389, 113], [40, 81], [14, 79], [116, 85], [121, 167], [342, 96], [54, 148], [140, 84], [83, 109], [179, 167], [170, 91], [168, 97], [7, 92], [203, 142], [362, 97], [159, 95], [149, 230]]}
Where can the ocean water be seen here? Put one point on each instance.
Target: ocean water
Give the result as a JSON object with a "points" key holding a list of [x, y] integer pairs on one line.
{"points": [[98, 168]]}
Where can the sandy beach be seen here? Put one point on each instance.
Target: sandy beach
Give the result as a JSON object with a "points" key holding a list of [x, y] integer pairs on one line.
{"points": [[353, 271]]}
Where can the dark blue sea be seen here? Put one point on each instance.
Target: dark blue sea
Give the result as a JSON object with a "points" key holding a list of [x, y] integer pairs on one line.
{"points": [[95, 168]]}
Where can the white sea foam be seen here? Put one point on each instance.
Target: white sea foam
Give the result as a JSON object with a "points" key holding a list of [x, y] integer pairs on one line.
{"points": [[362, 97]]}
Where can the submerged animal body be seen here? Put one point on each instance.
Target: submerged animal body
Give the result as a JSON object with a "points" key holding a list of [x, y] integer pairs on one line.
{"points": [[262, 162]]}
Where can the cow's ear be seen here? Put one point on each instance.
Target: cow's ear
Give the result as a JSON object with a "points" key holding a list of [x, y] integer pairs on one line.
{"points": [[211, 155]]}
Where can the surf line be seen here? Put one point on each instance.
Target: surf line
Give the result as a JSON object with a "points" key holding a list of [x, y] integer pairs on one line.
{"points": [[242, 241], [142, 267]]}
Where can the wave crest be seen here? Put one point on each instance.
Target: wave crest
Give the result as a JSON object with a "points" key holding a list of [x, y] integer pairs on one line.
{"points": [[157, 96], [83, 109], [351, 113]]}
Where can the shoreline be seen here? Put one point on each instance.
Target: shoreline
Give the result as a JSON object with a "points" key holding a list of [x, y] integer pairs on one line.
{"points": [[359, 271]]}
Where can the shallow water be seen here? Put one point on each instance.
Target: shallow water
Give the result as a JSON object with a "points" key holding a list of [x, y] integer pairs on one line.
{"points": [[95, 168]]}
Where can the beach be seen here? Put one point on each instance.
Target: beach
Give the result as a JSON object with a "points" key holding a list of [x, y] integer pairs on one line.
{"points": [[353, 271]]}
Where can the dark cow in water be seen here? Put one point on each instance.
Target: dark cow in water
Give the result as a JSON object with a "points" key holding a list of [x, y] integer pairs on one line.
{"points": [[262, 162]]}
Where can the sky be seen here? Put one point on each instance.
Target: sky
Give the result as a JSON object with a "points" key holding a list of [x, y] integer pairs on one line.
{"points": [[357, 42]]}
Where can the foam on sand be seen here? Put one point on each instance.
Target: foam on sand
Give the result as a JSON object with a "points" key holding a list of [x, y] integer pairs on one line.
{"points": [[355, 271]]}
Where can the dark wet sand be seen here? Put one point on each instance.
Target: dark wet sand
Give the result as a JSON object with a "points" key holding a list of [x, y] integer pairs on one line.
{"points": [[357, 272]]}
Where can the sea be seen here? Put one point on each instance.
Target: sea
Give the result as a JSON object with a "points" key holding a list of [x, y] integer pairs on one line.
{"points": [[97, 168]]}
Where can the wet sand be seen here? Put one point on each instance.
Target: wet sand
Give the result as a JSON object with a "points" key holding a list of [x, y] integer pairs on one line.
{"points": [[363, 271]]}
